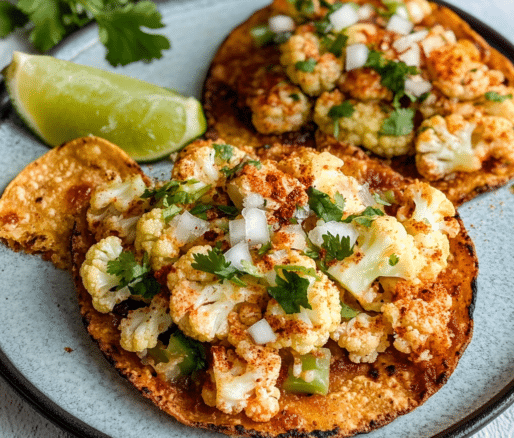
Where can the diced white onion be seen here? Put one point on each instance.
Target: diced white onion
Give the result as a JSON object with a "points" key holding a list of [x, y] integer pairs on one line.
{"points": [[365, 196], [297, 236], [302, 213], [256, 226], [238, 253], [188, 227], [402, 12], [343, 17], [237, 231], [261, 332], [336, 229], [405, 42], [208, 167], [356, 56], [281, 23], [365, 12], [412, 56], [417, 86], [399, 24], [416, 12], [253, 200]]}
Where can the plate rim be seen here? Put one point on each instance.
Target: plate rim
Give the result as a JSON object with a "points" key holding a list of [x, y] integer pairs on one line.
{"points": [[463, 428]]}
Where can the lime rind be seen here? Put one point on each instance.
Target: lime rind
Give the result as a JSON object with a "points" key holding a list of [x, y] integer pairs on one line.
{"points": [[60, 101]]}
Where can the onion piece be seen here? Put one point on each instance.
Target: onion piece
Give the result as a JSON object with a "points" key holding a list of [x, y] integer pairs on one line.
{"points": [[412, 56], [416, 12], [281, 23], [400, 25], [253, 200], [405, 42], [365, 196], [343, 17], [237, 231], [238, 253], [188, 227], [256, 226], [261, 332], [417, 86], [336, 229], [297, 236], [402, 12], [365, 12], [356, 56]]}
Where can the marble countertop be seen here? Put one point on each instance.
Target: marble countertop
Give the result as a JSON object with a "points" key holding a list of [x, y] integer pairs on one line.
{"points": [[17, 417]]}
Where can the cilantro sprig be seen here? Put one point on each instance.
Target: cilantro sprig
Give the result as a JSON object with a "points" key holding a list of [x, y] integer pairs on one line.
{"points": [[345, 109], [137, 277], [324, 207], [399, 122], [214, 262], [176, 192], [291, 292], [336, 247], [366, 217], [121, 25], [231, 172], [393, 74]]}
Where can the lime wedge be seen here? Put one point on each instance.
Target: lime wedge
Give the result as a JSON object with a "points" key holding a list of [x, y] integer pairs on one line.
{"points": [[61, 101]]}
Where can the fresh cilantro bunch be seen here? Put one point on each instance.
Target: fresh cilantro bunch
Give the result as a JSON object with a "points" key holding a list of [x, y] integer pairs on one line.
{"points": [[120, 25]]}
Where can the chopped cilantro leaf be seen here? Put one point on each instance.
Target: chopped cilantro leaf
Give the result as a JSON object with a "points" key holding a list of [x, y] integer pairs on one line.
{"points": [[223, 151], [400, 122], [394, 259], [261, 35], [324, 207], [291, 292], [200, 210], [229, 210], [305, 7], [295, 97], [307, 66], [338, 44], [337, 247], [380, 200], [195, 349], [214, 262], [170, 212], [366, 217], [348, 312], [231, 172], [393, 73], [177, 192], [137, 277], [345, 109], [10, 18], [493, 96]]}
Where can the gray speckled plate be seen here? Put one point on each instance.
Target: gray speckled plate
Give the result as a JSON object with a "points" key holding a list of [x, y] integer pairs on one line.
{"points": [[79, 390]]}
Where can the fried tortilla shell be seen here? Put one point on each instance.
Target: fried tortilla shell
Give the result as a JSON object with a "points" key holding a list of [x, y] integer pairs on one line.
{"points": [[229, 79], [39, 207], [362, 397]]}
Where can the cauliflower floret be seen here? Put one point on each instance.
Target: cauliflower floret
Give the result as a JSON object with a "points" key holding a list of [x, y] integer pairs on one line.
{"points": [[306, 66], [244, 379], [201, 309], [494, 138], [363, 127], [457, 71], [140, 329], [364, 33], [115, 208], [201, 161], [278, 109], [364, 84], [383, 250], [99, 284], [161, 240], [363, 336], [310, 328], [444, 146], [282, 193], [324, 172], [419, 326]]}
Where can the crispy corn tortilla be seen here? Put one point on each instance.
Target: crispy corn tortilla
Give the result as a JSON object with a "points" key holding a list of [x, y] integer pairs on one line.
{"points": [[229, 118], [362, 396], [39, 207]]}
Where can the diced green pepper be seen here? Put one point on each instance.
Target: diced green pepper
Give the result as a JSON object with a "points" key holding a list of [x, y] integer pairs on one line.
{"points": [[188, 353], [262, 35], [315, 369]]}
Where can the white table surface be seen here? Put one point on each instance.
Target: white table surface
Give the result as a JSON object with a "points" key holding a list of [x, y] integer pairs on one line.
{"points": [[19, 420]]}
